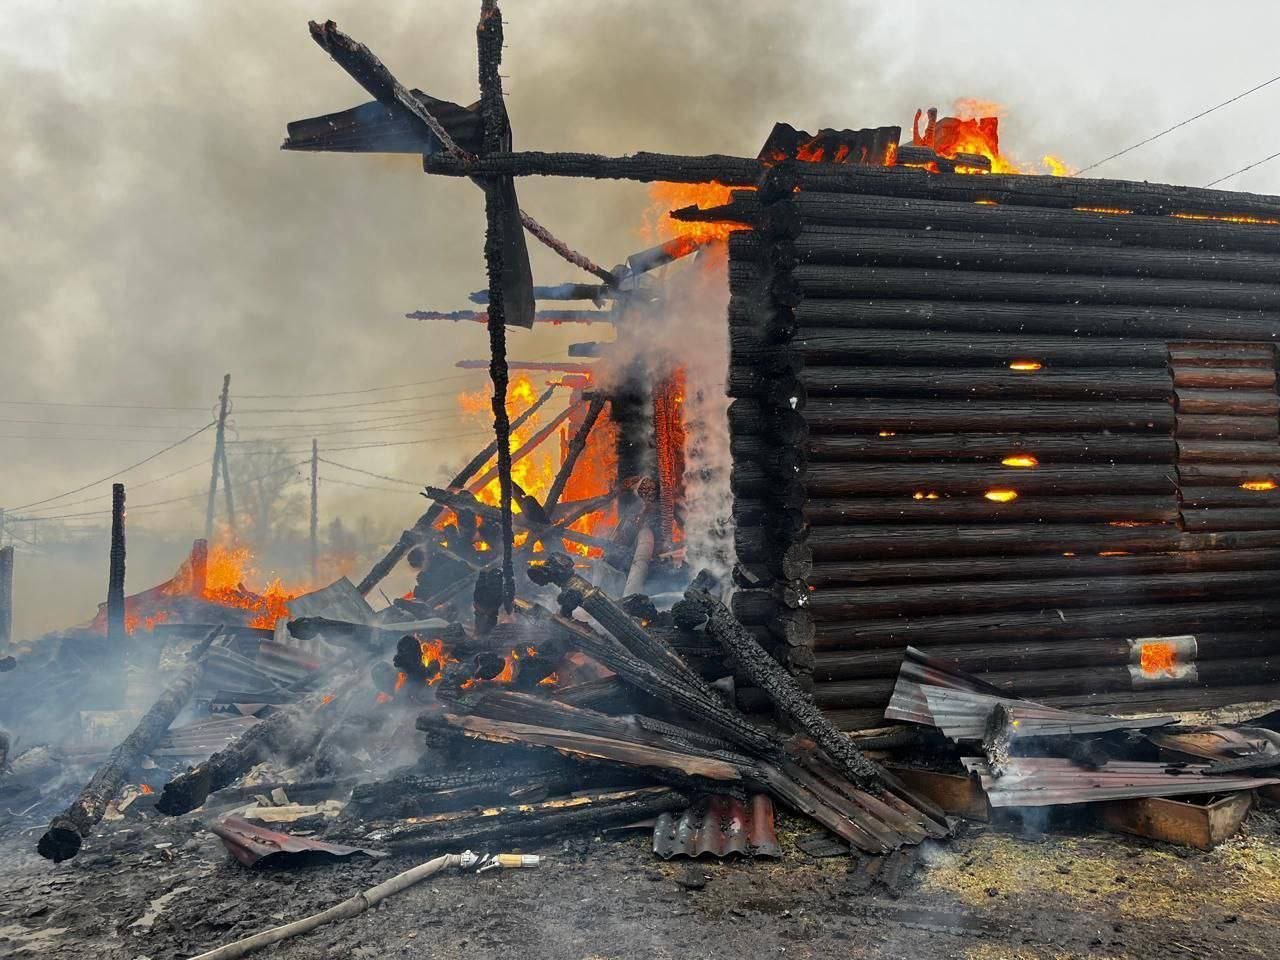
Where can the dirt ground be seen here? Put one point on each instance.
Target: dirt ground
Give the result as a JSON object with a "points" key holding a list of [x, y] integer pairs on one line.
{"points": [[170, 890]]}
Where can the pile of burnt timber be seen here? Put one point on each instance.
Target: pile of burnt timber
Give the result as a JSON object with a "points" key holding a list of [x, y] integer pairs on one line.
{"points": [[1026, 424], [674, 737]]}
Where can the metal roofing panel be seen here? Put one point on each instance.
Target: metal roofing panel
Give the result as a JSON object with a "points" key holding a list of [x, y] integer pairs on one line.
{"points": [[338, 601], [908, 701], [719, 825], [253, 845], [963, 715], [1045, 781]]}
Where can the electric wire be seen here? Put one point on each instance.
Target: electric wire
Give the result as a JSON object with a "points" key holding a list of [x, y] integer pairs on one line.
{"points": [[1256, 163], [368, 473], [112, 476], [1181, 123]]}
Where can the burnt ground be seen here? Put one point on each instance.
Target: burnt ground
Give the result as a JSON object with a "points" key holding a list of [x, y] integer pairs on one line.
{"points": [[168, 889]]}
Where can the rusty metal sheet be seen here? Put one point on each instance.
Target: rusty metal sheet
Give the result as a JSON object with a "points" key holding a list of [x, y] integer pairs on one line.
{"points": [[256, 846], [963, 715], [719, 825], [1047, 781]]}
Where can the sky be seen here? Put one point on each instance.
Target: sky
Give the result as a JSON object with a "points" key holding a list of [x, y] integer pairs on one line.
{"points": [[155, 237]]}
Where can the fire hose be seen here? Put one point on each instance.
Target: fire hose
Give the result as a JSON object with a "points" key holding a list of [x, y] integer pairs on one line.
{"points": [[369, 898]]}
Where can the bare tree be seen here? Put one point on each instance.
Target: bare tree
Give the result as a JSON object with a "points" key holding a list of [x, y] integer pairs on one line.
{"points": [[261, 474]]}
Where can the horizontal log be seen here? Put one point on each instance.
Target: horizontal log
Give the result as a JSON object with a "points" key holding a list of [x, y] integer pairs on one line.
{"points": [[1045, 447], [1211, 354], [751, 418], [834, 480], [1047, 625], [1211, 451], [644, 167], [850, 603], [1231, 518], [834, 209], [846, 415], [1235, 403], [832, 282], [1155, 199], [979, 658], [933, 347], [914, 310], [774, 389], [863, 719], [1219, 427], [749, 481], [1134, 383], [1232, 496], [1223, 378], [879, 246], [894, 542], [789, 560], [1069, 509], [991, 569], [1226, 474]]}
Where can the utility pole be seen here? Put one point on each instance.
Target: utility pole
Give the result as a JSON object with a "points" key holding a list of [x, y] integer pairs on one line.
{"points": [[115, 579], [6, 597], [315, 511], [219, 461]]}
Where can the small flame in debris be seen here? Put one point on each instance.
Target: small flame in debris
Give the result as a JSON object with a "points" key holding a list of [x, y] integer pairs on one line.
{"points": [[550, 680], [145, 788], [433, 654], [382, 698], [401, 679], [1001, 496], [326, 699], [1026, 366], [1258, 486], [1020, 460]]}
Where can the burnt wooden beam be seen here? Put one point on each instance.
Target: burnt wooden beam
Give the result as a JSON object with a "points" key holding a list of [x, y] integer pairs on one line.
{"points": [[915, 309], [411, 537], [115, 579], [993, 447], [907, 213], [873, 415], [576, 446], [1002, 383], [68, 829], [644, 167], [1152, 199]]}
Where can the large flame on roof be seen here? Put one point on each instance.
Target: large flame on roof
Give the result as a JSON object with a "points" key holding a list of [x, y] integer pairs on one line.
{"points": [[975, 129]]}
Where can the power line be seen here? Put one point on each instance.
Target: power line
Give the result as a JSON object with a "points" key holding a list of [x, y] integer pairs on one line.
{"points": [[100, 406], [41, 436], [1256, 163], [90, 423], [135, 486], [1182, 123], [132, 466], [405, 443], [362, 486], [160, 503], [348, 406], [368, 473], [347, 393]]}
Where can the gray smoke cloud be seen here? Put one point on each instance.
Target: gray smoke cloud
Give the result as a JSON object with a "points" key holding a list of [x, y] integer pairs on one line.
{"points": [[155, 237]]}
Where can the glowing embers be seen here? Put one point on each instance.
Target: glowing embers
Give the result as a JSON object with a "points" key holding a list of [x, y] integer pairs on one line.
{"points": [[924, 495], [1224, 218], [1115, 210], [887, 433], [1025, 366], [434, 657], [1157, 657], [1020, 460], [1001, 495], [1259, 486]]}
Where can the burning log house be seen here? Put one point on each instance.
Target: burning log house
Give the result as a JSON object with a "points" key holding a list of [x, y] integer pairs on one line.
{"points": [[1003, 450]]}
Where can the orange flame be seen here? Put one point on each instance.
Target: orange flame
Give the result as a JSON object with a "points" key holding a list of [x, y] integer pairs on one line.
{"points": [[1158, 657], [657, 224], [1001, 496]]}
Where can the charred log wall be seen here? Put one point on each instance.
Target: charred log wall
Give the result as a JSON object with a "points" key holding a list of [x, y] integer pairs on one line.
{"points": [[1018, 423]]}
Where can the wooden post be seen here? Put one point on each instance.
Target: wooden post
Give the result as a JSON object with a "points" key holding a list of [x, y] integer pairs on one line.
{"points": [[219, 453], [115, 579], [199, 567], [6, 596], [315, 510], [494, 115]]}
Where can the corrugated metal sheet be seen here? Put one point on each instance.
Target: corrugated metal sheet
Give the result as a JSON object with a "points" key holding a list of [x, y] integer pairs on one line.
{"points": [[338, 601], [963, 715], [908, 702], [719, 825], [1046, 781], [253, 845], [201, 739]]}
